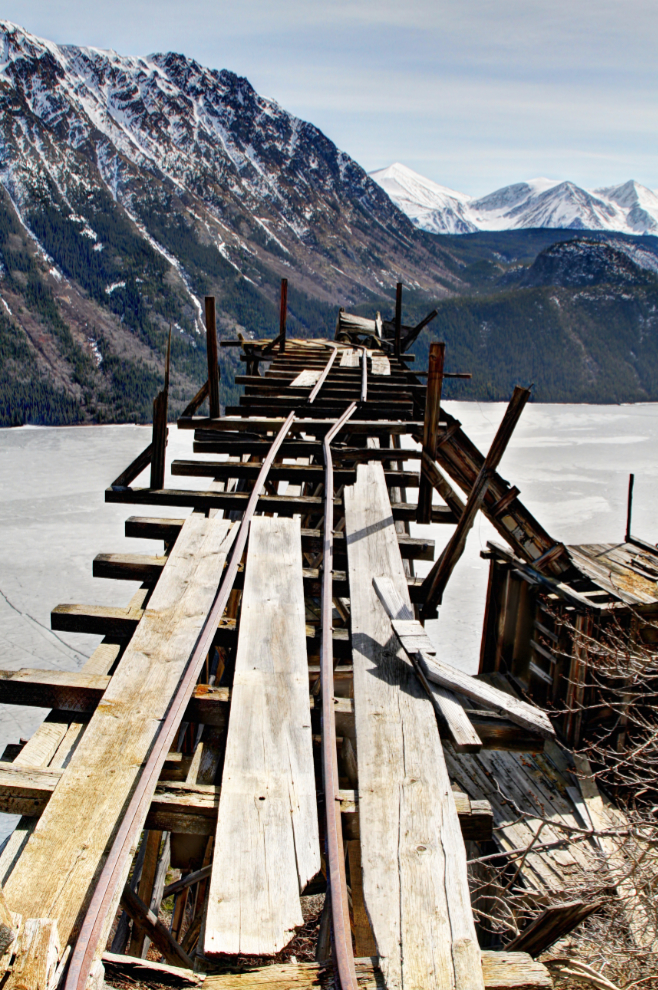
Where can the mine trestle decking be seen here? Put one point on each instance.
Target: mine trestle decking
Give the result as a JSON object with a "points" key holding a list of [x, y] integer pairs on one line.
{"points": [[258, 705]]}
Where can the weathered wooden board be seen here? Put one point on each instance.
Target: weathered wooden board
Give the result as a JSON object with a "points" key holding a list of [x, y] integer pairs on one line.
{"points": [[412, 852], [267, 845], [380, 364], [350, 358], [307, 378], [502, 971], [54, 876]]}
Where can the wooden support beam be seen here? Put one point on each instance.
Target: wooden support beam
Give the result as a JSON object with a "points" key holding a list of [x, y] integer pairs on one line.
{"points": [[431, 424], [398, 318], [73, 834], [283, 315], [134, 468], [198, 399], [411, 845], [436, 580], [151, 925], [267, 846], [213, 361], [209, 443], [160, 430], [411, 336]]}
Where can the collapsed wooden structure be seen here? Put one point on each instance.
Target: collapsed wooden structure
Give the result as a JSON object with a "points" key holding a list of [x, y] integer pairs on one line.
{"points": [[263, 714]]}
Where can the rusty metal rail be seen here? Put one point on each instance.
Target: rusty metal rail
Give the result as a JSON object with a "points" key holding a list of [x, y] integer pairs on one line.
{"points": [[340, 915]]}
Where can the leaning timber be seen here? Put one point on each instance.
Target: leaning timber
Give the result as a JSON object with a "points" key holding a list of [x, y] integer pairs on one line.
{"points": [[269, 717]]}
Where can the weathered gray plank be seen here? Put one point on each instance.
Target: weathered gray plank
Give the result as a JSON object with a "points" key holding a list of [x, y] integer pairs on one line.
{"points": [[267, 845], [55, 873], [412, 852]]}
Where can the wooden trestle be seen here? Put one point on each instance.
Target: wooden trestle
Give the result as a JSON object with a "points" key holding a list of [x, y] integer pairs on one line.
{"points": [[239, 801]]}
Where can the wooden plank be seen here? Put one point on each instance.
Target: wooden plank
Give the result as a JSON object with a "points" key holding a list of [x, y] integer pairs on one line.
{"points": [[306, 378], [228, 501], [37, 953], [452, 717], [485, 694], [364, 943], [553, 923], [267, 845], [413, 856], [350, 358], [501, 971], [295, 473], [380, 364], [55, 872]]}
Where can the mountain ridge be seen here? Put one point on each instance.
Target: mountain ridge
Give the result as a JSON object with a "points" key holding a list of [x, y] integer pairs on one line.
{"points": [[628, 208]]}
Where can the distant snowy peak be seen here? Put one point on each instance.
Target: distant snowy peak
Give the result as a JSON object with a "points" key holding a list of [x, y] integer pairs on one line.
{"points": [[628, 208], [430, 206]]}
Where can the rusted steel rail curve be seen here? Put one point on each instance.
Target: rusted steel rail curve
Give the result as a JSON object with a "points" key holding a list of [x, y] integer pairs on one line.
{"points": [[114, 871], [340, 916], [325, 371]]}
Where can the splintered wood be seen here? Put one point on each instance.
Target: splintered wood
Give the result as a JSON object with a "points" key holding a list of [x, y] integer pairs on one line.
{"points": [[54, 876], [267, 846], [413, 858]]}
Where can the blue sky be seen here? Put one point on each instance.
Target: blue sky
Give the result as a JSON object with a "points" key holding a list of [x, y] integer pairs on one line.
{"points": [[475, 94]]}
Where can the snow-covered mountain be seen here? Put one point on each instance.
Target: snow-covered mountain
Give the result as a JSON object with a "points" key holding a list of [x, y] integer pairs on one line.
{"points": [[628, 208], [428, 205], [131, 187]]}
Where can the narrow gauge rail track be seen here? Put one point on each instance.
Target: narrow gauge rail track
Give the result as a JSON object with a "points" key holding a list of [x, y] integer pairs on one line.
{"points": [[232, 589]]}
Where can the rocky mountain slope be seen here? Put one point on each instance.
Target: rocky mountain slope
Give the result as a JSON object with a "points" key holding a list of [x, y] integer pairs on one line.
{"points": [[131, 187], [627, 208], [580, 321]]}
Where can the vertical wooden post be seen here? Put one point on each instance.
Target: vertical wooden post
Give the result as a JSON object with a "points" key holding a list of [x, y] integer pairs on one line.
{"points": [[431, 426], [283, 314], [159, 441], [213, 362], [398, 317], [629, 506]]}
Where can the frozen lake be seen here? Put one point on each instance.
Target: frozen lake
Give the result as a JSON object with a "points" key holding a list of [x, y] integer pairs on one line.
{"points": [[571, 463]]}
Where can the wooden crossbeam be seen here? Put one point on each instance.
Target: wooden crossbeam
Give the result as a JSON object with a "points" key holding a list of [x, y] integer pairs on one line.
{"points": [[315, 427], [295, 473], [192, 808], [156, 528], [206, 442], [281, 504]]}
